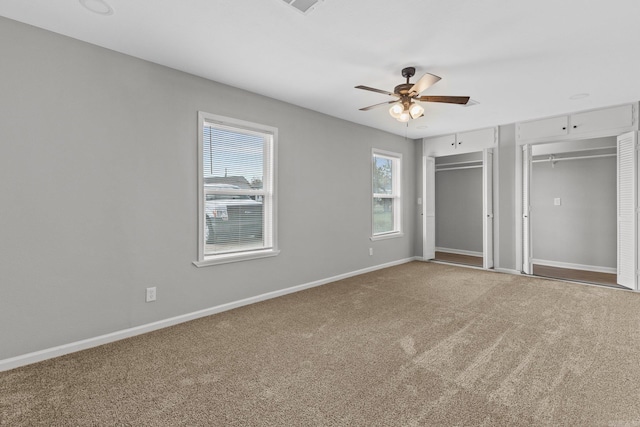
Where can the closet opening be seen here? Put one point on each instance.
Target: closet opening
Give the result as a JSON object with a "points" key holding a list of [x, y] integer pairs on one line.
{"points": [[459, 209], [573, 211]]}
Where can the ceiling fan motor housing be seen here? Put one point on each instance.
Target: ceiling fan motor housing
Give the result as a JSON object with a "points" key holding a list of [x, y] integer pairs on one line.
{"points": [[403, 89]]}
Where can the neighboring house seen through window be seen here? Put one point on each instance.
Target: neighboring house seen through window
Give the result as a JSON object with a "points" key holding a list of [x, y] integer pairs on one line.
{"points": [[386, 215], [237, 190]]}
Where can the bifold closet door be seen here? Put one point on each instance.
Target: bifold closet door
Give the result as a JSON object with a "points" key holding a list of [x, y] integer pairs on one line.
{"points": [[487, 208], [526, 210], [429, 208], [627, 184]]}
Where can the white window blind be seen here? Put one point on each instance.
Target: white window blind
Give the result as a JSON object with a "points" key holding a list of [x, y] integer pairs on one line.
{"points": [[237, 205], [386, 212]]}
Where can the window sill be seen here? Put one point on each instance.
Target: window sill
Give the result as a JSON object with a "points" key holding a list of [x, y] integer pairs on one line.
{"points": [[228, 258], [387, 236]]}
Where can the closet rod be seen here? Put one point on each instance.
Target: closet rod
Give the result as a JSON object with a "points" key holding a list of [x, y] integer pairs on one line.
{"points": [[460, 167], [556, 159], [459, 163], [603, 148]]}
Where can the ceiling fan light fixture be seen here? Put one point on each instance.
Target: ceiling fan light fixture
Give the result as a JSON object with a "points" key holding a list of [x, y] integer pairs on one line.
{"points": [[396, 110], [416, 110], [404, 117]]}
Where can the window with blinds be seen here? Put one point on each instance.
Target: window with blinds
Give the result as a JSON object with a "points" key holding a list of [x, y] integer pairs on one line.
{"points": [[237, 190], [386, 212]]}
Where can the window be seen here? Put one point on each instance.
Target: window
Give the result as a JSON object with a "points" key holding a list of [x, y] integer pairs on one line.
{"points": [[387, 214], [236, 204]]}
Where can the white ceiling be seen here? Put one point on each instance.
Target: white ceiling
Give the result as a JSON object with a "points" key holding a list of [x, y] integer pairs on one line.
{"points": [[519, 59]]}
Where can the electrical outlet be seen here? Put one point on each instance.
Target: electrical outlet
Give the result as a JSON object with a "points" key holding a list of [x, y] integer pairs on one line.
{"points": [[151, 294], [557, 201], [370, 251]]}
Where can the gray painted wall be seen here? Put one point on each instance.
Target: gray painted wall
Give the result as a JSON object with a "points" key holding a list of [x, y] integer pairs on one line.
{"points": [[98, 182], [505, 197], [459, 209], [582, 230]]}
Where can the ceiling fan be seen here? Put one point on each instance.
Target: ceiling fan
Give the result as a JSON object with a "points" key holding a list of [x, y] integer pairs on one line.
{"points": [[405, 106]]}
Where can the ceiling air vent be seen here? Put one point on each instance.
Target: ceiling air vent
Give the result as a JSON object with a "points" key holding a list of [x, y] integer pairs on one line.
{"points": [[304, 6]]}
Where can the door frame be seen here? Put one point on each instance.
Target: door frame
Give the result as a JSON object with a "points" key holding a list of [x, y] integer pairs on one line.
{"points": [[523, 151], [428, 207], [488, 224]]}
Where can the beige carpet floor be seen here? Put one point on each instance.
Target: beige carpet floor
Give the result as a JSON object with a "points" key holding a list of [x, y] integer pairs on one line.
{"points": [[412, 345]]}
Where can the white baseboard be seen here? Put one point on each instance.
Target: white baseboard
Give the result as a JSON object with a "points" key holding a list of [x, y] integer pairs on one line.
{"points": [[49, 353], [508, 271], [594, 268], [455, 264], [460, 252]]}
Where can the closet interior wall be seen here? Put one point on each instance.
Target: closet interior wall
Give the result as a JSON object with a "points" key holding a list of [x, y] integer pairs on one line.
{"points": [[573, 205], [458, 204]]}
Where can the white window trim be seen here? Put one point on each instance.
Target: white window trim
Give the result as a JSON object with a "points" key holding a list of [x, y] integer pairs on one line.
{"points": [[397, 195], [208, 260]]}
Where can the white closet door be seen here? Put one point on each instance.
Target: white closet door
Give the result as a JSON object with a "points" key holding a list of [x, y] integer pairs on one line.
{"points": [[487, 208], [526, 210], [429, 209], [627, 209]]}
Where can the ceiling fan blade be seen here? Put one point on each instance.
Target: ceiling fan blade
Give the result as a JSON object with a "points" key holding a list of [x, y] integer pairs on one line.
{"points": [[425, 81], [370, 107], [377, 90], [446, 99]]}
